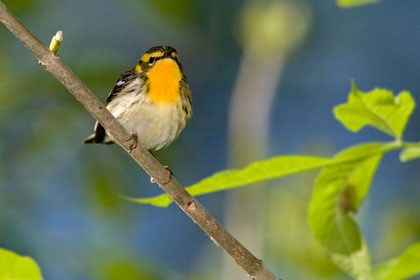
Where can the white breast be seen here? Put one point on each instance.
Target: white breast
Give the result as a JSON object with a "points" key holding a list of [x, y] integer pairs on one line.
{"points": [[156, 124]]}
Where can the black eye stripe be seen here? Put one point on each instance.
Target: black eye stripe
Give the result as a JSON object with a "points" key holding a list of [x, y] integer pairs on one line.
{"points": [[153, 59]]}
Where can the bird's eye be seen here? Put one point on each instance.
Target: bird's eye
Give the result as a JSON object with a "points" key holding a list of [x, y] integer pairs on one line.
{"points": [[151, 60]]}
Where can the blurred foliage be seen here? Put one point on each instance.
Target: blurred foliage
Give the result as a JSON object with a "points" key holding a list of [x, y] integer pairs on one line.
{"points": [[291, 242], [111, 268], [105, 180], [268, 27], [352, 3], [184, 12], [103, 185], [13, 266], [398, 229], [20, 5], [402, 267]]}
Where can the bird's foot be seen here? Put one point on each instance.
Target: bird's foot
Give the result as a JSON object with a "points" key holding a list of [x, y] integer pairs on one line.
{"points": [[170, 172], [134, 141]]}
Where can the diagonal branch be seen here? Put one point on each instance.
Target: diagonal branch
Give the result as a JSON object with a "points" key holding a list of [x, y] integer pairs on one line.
{"points": [[255, 268]]}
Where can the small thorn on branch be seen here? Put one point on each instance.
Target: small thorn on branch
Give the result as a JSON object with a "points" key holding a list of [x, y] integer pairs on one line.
{"points": [[191, 206]]}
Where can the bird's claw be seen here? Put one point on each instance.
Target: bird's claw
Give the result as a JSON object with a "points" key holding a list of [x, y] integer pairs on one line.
{"points": [[134, 141], [170, 171]]}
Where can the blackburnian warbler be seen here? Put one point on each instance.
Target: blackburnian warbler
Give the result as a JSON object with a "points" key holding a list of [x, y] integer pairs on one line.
{"points": [[152, 101]]}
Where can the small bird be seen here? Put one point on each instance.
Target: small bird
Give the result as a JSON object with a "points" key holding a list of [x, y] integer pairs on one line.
{"points": [[152, 101]]}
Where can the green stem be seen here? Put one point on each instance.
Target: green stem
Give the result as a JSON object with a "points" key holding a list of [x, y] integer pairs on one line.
{"points": [[410, 145]]}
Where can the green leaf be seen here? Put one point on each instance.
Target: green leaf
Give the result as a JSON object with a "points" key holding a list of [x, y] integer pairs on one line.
{"points": [[255, 172], [410, 153], [356, 264], [275, 167], [14, 266], [352, 3], [382, 270], [162, 200], [339, 191], [406, 265], [378, 108]]}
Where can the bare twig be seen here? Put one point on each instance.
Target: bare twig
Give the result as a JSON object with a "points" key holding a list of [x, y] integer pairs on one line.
{"points": [[53, 64]]}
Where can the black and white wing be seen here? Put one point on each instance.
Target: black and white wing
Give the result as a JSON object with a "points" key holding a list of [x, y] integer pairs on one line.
{"points": [[126, 79], [123, 83]]}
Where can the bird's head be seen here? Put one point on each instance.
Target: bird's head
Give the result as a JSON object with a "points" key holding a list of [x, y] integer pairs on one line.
{"points": [[162, 73]]}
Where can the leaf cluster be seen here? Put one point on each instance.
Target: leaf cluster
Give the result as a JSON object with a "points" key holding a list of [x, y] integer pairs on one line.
{"points": [[14, 266], [353, 3], [342, 184]]}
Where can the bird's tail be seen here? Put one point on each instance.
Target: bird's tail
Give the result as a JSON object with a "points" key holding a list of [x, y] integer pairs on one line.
{"points": [[90, 139], [98, 136]]}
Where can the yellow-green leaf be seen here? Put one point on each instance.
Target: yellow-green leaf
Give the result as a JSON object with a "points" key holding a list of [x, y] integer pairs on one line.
{"points": [[402, 267], [356, 263], [162, 200], [378, 108], [353, 3], [410, 153], [275, 167], [14, 266], [255, 172], [338, 193]]}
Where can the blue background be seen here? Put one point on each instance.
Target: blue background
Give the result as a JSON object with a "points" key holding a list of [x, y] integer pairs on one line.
{"points": [[59, 199]]}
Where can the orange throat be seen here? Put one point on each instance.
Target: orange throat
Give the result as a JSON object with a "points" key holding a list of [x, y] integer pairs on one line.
{"points": [[163, 81]]}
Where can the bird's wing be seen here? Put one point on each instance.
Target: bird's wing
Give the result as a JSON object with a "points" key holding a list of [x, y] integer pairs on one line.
{"points": [[124, 80]]}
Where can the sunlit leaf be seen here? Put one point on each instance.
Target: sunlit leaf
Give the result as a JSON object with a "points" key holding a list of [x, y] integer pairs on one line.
{"points": [[378, 108], [382, 270], [255, 172], [162, 200], [356, 263], [410, 153], [14, 266], [402, 267], [339, 191], [276, 167], [352, 3]]}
